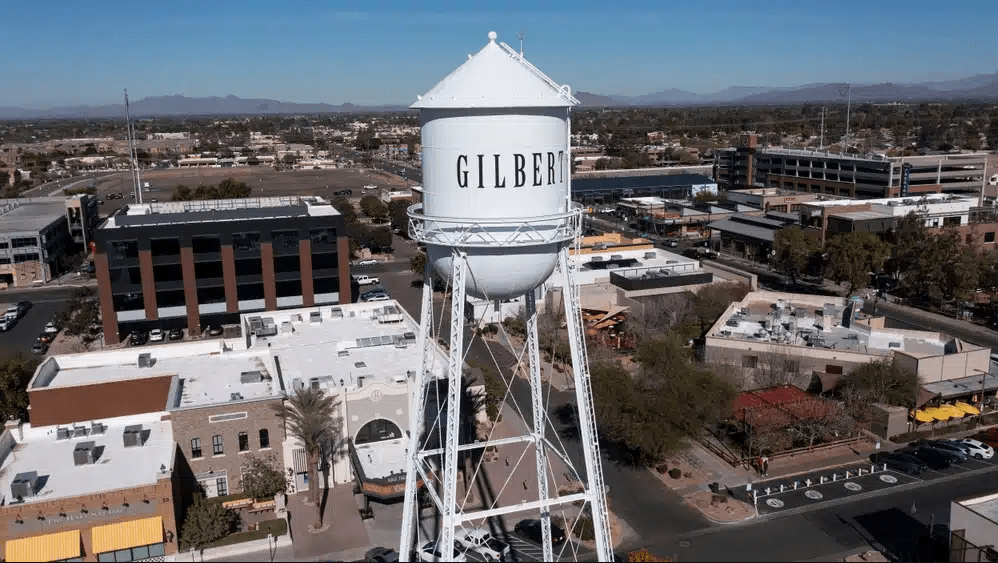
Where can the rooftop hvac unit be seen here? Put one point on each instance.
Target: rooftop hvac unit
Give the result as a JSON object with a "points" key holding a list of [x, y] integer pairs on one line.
{"points": [[297, 384], [360, 381], [616, 257], [235, 396], [597, 259], [79, 432], [97, 428], [409, 335], [315, 317], [145, 360], [62, 434], [84, 453], [336, 312], [314, 383], [255, 376], [23, 485], [133, 436], [649, 255]]}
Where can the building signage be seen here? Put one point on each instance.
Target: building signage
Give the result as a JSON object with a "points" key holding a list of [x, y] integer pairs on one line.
{"points": [[98, 513], [905, 179], [534, 169]]}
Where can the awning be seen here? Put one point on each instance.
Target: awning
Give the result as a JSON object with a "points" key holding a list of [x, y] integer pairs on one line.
{"points": [[48, 547], [969, 409], [126, 534]]}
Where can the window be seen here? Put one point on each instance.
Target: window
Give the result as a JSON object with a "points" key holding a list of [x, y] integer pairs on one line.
{"points": [[195, 447], [222, 486], [134, 554], [750, 361], [264, 438], [834, 370], [989, 237], [216, 445], [243, 442]]}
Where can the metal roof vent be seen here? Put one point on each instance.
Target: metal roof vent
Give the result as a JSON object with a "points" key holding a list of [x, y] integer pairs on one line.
{"points": [[79, 431], [255, 376], [235, 396], [145, 360], [649, 255], [97, 428], [133, 436], [85, 453], [597, 259], [23, 485], [315, 317], [616, 257], [359, 365], [62, 434], [343, 353]]}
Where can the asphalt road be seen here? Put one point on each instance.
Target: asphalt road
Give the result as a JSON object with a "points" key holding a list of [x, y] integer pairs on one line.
{"points": [[46, 303]]}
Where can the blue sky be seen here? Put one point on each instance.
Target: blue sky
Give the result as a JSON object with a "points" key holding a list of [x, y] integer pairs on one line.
{"points": [[62, 52]]}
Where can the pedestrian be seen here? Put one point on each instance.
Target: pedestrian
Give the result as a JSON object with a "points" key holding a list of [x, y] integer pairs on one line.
{"points": [[524, 484], [765, 466]]}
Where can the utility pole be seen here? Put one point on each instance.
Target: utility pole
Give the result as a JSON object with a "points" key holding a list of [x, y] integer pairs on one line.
{"points": [[821, 142], [847, 93]]}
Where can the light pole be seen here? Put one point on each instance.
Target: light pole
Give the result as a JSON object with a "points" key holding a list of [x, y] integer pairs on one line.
{"points": [[980, 401]]}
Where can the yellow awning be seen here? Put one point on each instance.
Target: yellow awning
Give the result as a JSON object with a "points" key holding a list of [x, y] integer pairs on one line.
{"points": [[49, 547], [951, 410], [969, 409], [921, 416], [126, 534], [937, 413]]}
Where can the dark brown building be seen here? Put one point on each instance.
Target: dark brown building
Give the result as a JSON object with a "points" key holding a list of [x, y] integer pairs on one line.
{"points": [[195, 264]]}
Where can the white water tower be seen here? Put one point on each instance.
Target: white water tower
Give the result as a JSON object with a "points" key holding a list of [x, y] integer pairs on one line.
{"points": [[497, 219]]}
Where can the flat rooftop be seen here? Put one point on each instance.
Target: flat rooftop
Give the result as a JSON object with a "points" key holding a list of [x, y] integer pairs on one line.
{"points": [[343, 346], [986, 506], [30, 215], [912, 201], [115, 467], [219, 210], [821, 322]]}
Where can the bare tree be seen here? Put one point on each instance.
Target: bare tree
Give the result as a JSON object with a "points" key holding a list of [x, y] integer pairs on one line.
{"points": [[657, 315], [779, 367]]}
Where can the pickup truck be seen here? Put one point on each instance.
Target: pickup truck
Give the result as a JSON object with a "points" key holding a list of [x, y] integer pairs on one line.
{"points": [[366, 280]]}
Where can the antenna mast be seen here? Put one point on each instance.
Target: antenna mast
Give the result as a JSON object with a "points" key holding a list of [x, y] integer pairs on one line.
{"points": [[821, 141], [133, 154], [520, 37], [848, 93]]}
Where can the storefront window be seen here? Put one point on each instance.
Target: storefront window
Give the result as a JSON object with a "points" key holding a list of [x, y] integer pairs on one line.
{"points": [[133, 554]]}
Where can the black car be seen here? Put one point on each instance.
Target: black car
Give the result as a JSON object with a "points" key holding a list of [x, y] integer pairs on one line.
{"points": [[381, 555], [935, 459], [39, 348], [175, 334], [944, 446], [531, 529], [898, 462], [138, 337]]}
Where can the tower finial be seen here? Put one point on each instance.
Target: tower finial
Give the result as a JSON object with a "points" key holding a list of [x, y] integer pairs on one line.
{"points": [[493, 36], [520, 37]]}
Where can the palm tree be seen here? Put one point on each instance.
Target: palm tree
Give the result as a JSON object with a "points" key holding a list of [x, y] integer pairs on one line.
{"points": [[310, 416]]}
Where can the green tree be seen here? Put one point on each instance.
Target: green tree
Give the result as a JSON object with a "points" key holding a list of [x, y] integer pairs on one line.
{"points": [[794, 249], [206, 521], [711, 301], [906, 237], [852, 256], [398, 214], [417, 264], [310, 417], [345, 208], [374, 208], [81, 318], [15, 372], [262, 477]]}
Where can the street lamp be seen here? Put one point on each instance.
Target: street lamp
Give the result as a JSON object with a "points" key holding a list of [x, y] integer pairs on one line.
{"points": [[980, 401]]}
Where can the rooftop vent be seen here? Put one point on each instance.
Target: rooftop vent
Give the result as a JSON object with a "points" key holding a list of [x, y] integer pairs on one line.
{"points": [[235, 396], [343, 353], [97, 428], [315, 317], [145, 360], [616, 257], [359, 365], [314, 383], [85, 453], [23, 485], [649, 255], [133, 436], [62, 434], [336, 312], [597, 259], [79, 432], [297, 383], [409, 335]]}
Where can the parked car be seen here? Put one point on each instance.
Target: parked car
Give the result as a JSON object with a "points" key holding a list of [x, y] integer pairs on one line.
{"points": [[368, 262], [39, 348], [175, 334], [978, 449], [381, 555], [671, 242], [897, 462], [50, 328], [935, 459], [490, 547], [138, 337], [156, 335], [429, 552], [46, 337], [6, 324], [531, 529], [378, 297], [986, 438], [946, 447]]}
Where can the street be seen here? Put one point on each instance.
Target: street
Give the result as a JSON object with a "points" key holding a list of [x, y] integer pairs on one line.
{"points": [[45, 304]]}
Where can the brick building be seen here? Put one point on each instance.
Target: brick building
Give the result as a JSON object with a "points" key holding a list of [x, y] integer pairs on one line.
{"points": [[195, 264], [109, 490]]}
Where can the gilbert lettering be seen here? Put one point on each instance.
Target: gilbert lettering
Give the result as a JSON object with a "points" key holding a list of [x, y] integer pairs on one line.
{"points": [[503, 166]]}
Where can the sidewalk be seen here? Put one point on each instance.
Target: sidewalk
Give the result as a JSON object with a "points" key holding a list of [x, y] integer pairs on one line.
{"points": [[560, 380], [343, 530]]}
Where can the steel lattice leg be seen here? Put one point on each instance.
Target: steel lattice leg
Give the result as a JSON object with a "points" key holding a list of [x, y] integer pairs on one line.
{"points": [[419, 383], [595, 490], [540, 416], [454, 372]]}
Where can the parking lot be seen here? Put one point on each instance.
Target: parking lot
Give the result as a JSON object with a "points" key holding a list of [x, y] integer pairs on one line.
{"points": [[855, 485], [523, 550]]}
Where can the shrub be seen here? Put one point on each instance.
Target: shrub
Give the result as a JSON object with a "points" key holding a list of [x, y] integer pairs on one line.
{"points": [[205, 522], [584, 529], [675, 473], [663, 468]]}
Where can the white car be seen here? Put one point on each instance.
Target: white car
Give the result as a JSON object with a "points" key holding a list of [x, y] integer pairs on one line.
{"points": [[429, 552], [156, 335], [366, 280], [368, 262], [978, 450], [378, 297], [491, 548], [51, 328]]}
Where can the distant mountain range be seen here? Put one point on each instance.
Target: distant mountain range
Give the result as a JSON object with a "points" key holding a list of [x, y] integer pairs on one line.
{"points": [[979, 87]]}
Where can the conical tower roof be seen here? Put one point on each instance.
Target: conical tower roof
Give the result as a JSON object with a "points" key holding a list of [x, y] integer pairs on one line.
{"points": [[496, 77]]}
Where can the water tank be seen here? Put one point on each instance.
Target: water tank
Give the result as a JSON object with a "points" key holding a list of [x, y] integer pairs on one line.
{"points": [[496, 166]]}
